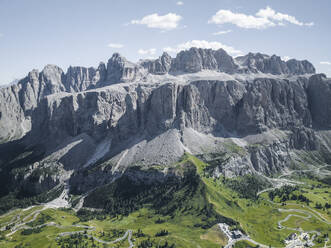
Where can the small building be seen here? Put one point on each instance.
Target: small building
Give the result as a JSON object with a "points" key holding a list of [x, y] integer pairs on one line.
{"points": [[236, 234]]}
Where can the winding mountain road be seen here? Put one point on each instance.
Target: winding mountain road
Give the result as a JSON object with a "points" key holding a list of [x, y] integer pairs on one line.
{"points": [[279, 181], [22, 224], [127, 234], [309, 213]]}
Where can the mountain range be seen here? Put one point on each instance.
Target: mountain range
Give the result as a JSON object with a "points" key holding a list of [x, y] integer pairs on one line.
{"points": [[87, 127]]}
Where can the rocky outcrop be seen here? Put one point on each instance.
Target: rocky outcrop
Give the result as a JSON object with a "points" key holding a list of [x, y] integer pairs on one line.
{"points": [[228, 107], [197, 59], [257, 62], [159, 66], [18, 101], [81, 78], [319, 97], [271, 103], [194, 60], [120, 70], [225, 62], [300, 67], [11, 114]]}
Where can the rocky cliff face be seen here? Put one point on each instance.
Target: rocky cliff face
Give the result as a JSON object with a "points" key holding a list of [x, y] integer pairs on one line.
{"points": [[257, 62], [195, 60], [80, 78], [159, 66], [121, 70], [102, 121]]}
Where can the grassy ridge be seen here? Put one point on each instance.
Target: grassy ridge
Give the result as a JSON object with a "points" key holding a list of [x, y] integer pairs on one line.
{"points": [[257, 217]]}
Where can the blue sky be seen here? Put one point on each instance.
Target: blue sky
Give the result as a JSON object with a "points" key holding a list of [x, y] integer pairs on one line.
{"points": [[34, 33]]}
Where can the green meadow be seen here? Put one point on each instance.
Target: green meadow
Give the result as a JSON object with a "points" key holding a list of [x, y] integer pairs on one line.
{"points": [[188, 220]]}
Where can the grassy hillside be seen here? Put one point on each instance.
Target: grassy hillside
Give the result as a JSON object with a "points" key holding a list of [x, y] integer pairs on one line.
{"points": [[175, 213]]}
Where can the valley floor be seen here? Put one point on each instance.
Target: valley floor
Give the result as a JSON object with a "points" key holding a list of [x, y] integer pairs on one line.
{"points": [[277, 219]]}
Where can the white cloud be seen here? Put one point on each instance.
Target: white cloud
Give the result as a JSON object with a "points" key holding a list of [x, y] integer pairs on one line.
{"points": [[150, 51], [240, 20], [269, 13], [1, 35], [180, 3], [203, 44], [165, 22], [222, 32], [264, 18], [285, 58], [115, 45], [325, 63]]}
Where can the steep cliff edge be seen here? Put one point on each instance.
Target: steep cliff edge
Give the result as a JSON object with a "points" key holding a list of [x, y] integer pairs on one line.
{"points": [[252, 113]]}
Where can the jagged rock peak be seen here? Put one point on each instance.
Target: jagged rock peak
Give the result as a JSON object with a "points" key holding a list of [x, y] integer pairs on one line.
{"points": [[51, 68], [80, 78], [159, 66], [257, 62], [119, 69], [300, 67], [194, 60], [197, 59], [118, 59], [52, 79]]}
